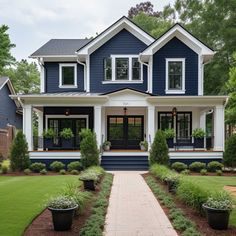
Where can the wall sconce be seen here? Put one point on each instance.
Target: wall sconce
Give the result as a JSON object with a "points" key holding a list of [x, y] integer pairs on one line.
{"points": [[125, 110], [174, 111], [67, 112]]}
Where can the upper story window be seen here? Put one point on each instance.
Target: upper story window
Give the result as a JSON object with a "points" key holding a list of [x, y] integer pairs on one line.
{"points": [[175, 75], [68, 75], [122, 69]]}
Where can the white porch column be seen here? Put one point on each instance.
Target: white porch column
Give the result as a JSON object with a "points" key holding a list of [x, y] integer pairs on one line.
{"points": [[203, 124], [98, 124], [151, 125], [40, 129], [219, 128], [27, 125]]}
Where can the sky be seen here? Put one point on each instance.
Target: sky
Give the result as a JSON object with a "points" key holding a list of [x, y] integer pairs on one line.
{"points": [[33, 22]]}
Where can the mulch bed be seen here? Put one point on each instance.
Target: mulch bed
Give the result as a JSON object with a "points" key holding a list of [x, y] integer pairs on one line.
{"points": [[193, 215]]}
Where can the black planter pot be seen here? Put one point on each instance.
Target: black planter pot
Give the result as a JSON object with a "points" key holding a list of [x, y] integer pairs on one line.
{"points": [[89, 185], [67, 143], [199, 142], [170, 142], [217, 219], [62, 218], [48, 143]]}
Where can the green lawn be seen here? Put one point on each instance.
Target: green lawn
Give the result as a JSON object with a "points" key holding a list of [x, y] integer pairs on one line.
{"points": [[213, 183], [23, 197]]}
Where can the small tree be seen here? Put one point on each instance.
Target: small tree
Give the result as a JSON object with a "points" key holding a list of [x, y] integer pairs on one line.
{"points": [[88, 148], [19, 153], [230, 151], [159, 149]]}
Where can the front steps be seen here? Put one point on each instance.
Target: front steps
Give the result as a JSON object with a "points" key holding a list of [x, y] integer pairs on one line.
{"points": [[124, 162]]}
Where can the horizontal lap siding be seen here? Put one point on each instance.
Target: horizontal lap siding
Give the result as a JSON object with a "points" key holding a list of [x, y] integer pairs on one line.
{"points": [[122, 43], [52, 78], [175, 49]]}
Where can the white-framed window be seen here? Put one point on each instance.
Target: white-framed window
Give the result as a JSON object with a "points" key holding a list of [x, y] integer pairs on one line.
{"points": [[175, 76], [122, 69], [68, 75]]}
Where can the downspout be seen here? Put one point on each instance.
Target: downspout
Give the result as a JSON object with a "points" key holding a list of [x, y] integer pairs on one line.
{"points": [[85, 74]]}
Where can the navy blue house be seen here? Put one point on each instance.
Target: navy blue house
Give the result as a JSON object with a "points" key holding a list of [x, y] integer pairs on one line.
{"points": [[124, 84]]}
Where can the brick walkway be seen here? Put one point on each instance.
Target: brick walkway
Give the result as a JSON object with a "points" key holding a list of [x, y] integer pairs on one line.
{"points": [[133, 209]]}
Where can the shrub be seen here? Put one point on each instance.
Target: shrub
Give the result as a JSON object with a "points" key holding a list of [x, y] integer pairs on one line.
{"points": [[43, 172], [74, 165], [159, 150], [88, 148], [230, 151], [19, 152], [4, 169], [27, 171], [49, 133], [169, 133], [185, 172], [198, 133], [37, 167], [161, 172], [179, 166], [74, 172], [197, 166], [62, 172], [144, 144], [219, 172], [213, 166], [98, 170], [203, 171], [88, 176], [61, 202], [57, 166], [66, 133]]}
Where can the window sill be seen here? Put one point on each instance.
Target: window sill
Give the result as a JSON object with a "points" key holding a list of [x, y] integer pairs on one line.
{"points": [[68, 86], [175, 91], [123, 82]]}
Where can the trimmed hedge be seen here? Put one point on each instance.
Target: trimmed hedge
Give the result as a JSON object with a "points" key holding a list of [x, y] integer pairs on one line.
{"points": [[74, 165], [179, 166], [197, 166], [57, 166], [213, 166], [37, 167]]}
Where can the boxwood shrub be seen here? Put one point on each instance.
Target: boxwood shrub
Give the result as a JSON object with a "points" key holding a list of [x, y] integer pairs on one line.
{"points": [[57, 166], [74, 165], [213, 166], [37, 167], [179, 166], [197, 166]]}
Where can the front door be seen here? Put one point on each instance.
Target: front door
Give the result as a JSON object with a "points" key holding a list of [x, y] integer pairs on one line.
{"points": [[125, 132]]}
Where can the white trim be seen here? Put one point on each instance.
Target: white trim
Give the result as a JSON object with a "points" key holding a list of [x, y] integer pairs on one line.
{"points": [[123, 82], [114, 153], [88, 74], [150, 76], [52, 155], [75, 75], [65, 117], [195, 155], [167, 90]]}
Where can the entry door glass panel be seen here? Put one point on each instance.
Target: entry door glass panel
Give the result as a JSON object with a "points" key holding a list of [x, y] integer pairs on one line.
{"points": [[134, 132], [54, 124], [183, 127], [79, 125], [165, 121], [116, 131]]}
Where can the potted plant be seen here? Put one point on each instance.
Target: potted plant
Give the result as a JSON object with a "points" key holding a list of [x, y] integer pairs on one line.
{"points": [[170, 134], [143, 145], [89, 179], [106, 146], [66, 138], [48, 136], [172, 182], [199, 135], [218, 208], [62, 209]]}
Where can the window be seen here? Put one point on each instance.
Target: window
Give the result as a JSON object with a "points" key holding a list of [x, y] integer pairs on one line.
{"points": [[122, 69], [165, 120], [175, 75], [68, 76]]}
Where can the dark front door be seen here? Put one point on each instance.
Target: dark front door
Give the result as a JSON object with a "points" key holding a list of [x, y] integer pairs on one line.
{"points": [[125, 132]]}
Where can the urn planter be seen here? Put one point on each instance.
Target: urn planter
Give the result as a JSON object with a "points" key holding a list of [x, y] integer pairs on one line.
{"points": [[170, 142], [67, 143], [48, 143], [199, 142], [89, 185]]}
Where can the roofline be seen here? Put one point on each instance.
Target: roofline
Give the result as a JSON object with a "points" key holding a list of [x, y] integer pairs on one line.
{"points": [[104, 31], [122, 89], [55, 96], [51, 56]]}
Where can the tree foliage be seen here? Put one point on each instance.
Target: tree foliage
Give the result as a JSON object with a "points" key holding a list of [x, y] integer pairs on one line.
{"points": [[230, 151], [6, 58], [24, 77], [19, 152], [159, 152]]}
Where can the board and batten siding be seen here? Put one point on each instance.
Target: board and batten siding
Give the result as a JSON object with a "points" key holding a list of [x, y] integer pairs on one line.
{"points": [[122, 43], [52, 78], [175, 49], [8, 107]]}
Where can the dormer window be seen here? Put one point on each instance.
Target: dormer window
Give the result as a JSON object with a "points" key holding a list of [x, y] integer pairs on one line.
{"points": [[68, 75], [175, 76], [122, 69]]}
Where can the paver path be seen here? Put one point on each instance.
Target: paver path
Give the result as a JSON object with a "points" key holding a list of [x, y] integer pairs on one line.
{"points": [[133, 209]]}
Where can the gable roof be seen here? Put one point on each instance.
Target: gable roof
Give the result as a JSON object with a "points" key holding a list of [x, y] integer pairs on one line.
{"points": [[122, 23], [183, 35], [60, 47], [128, 89]]}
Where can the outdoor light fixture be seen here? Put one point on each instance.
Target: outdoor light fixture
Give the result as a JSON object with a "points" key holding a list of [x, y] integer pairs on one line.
{"points": [[125, 110], [67, 112], [174, 111]]}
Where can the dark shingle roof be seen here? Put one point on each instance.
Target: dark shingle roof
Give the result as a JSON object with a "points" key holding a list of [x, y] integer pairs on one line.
{"points": [[60, 47], [3, 80]]}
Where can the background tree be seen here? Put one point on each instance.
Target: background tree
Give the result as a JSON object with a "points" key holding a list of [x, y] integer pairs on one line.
{"points": [[6, 58], [24, 76]]}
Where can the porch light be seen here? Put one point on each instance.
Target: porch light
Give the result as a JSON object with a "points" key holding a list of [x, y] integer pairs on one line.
{"points": [[174, 111], [67, 112], [125, 110]]}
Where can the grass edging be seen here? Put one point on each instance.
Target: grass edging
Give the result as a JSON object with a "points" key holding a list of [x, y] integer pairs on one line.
{"points": [[95, 223], [179, 221]]}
